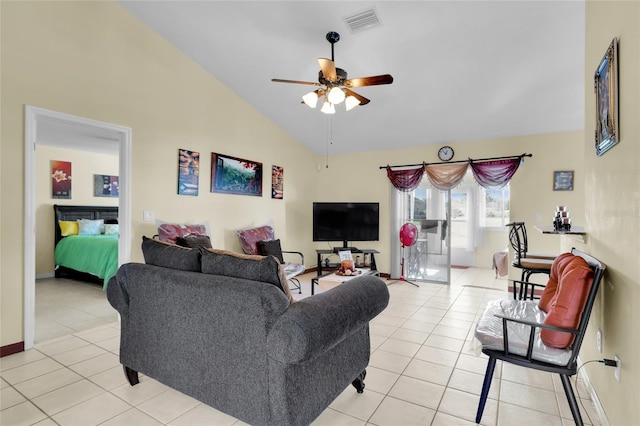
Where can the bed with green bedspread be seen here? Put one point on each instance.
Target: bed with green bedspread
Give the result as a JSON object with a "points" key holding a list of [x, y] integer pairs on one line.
{"points": [[91, 258], [93, 254]]}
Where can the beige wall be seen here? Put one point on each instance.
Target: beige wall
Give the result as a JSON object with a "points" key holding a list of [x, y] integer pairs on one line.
{"points": [[612, 211], [83, 166], [100, 62], [531, 188], [95, 60]]}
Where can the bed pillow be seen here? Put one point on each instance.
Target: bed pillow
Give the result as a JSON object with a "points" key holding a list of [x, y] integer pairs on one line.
{"points": [[68, 227], [167, 255], [247, 266], [169, 232], [90, 227], [111, 229]]}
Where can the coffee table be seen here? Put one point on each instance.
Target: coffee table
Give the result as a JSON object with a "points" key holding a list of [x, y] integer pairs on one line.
{"points": [[332, 279]]}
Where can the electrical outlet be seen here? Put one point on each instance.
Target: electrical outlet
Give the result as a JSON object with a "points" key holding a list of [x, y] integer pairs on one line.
{"points": [[538, 217], [618, 367], [599, 340]]}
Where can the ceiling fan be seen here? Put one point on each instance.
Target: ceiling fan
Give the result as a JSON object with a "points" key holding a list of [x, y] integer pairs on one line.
{"points": [[334, 85]]}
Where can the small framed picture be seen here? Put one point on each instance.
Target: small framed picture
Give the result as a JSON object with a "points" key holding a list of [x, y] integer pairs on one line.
{"points": [[563, 180]]}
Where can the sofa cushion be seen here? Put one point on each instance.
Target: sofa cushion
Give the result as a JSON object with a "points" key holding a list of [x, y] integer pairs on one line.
{"points": [[194, 241], [489, 330], [549, 292], [271, 248], [250, 267], [167, 255], [249, 238], [567, 305]]}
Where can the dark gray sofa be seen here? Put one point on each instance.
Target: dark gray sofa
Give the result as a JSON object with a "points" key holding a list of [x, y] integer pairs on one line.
{"points": [[239, 346]]}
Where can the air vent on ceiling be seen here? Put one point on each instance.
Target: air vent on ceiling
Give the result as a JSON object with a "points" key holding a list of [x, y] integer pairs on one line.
{"points": [[362, 21]]}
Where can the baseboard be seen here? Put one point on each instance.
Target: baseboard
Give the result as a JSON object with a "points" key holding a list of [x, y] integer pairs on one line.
{"points": [[602, 416], [11, 349], [46, 275]]}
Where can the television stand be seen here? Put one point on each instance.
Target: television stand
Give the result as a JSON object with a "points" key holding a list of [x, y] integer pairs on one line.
{"points": [[334, 266], [351, 249]]}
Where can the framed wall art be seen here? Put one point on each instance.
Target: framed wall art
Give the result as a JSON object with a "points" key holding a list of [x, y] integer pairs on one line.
{"points": [[188, 172], [606, 88], [233, 175], [563, 180], [106, 186], [60, 180], [277, 182]]}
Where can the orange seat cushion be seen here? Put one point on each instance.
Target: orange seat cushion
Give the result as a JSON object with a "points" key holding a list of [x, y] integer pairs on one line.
{"points": [[549, 292], [566, 305]]}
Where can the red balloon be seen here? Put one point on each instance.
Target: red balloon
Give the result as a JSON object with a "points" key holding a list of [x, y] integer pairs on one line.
{"points": [[408, 234]]}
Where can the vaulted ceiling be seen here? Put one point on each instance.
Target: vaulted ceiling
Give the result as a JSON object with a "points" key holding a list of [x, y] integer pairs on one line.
{"points": [[463, 70]]}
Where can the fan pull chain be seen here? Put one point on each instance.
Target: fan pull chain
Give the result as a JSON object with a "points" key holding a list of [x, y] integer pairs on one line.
{"points": [[329, 137]]}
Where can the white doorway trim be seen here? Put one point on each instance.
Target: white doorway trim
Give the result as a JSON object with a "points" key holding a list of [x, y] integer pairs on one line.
{"points": [[32, 115]]}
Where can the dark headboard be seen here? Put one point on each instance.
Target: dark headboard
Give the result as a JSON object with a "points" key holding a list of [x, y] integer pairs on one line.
{"points": [[82, 212]]}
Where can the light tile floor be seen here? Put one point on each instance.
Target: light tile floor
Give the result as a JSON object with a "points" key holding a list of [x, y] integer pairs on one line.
{"points": [[424, 370]]}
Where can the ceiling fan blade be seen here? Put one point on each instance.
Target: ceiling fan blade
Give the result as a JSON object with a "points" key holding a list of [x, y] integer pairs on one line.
{"points": [[362, 99], [279, 80], [328, 69], [369, 81]]}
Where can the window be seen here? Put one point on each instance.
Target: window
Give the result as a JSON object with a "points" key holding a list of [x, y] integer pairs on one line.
{"points": [[496, 209]]}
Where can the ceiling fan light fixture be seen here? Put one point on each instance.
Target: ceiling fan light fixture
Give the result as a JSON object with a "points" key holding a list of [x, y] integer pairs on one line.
{"points": [[351, 102], [336, 95], [328, 108], [310, 99]]}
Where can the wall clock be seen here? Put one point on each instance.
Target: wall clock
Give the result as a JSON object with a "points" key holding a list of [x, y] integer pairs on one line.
{"points": [[445, 153]]}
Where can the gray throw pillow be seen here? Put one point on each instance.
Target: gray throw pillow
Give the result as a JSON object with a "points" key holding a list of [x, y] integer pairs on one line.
{"points": [[271, 248], [171, 256], [194, 241], [250, 267]]}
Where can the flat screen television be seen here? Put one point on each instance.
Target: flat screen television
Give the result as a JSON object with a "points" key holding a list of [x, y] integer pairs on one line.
{"points": [[346, 222]]}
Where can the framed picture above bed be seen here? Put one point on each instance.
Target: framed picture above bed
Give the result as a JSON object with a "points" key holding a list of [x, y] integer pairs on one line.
{"points": [[60, 180], [105, 186]]}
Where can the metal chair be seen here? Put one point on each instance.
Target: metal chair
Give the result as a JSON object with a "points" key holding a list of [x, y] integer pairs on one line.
{"points": [[262, 241], [530, 359], [529, 263]]}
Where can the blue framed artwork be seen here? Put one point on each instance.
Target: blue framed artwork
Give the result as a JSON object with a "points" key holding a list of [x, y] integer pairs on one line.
{"points": [[188, 172]]}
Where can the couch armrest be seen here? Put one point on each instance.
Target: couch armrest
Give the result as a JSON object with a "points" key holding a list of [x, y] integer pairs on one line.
{"points": [[316, 324], [117, 294]]}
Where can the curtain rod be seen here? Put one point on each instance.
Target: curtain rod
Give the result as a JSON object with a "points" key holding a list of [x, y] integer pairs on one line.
{"points": [[460, 161]]}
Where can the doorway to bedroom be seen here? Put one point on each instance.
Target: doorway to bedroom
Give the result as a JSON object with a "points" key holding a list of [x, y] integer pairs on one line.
{"points": [[83, 140]]}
